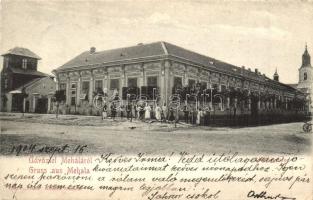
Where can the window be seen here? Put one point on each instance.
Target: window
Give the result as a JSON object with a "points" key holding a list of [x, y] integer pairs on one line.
{"points": [[98, 84], [132, 82], [73, 101], [73, 94], [215, 87], [6, 62], [62, 86], [5, 83], [114, 84], [152, 81], [191, 83], [178, 82], [84, 90], [85, 87], [24, 63], [305, 76], [203, 85]]}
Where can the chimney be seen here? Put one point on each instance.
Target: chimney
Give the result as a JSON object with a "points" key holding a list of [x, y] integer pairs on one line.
{"points": [[92, 50], [243, 69], [256, 71]]}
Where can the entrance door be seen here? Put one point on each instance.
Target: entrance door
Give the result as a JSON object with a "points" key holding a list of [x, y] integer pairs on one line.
{"points": [[42, 105], [27, 106], [17, 103]]}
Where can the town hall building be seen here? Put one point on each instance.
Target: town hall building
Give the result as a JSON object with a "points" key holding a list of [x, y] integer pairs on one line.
{"points": [[160, 70]]}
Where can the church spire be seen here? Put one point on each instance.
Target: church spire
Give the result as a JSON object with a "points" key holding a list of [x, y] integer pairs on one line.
{"points": [[306, 49], [306, 59], [276, 76]]}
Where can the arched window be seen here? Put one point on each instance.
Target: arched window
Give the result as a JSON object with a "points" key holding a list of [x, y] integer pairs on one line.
{"points": [[305, 76]]}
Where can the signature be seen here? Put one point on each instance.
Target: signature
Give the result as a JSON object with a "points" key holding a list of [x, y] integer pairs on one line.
{"points": [[264, 195]]}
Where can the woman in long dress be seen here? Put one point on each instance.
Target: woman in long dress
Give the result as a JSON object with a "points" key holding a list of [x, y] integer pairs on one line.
{"points": [[199, 115], [104, 112], [164, 110], [158, 112], [147, 112]]}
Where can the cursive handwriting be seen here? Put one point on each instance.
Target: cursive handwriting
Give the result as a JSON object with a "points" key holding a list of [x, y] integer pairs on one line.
{"points": [[264, 195]]}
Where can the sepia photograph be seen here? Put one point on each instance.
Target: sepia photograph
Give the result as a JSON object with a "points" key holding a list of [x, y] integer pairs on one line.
{"points": [[156, 99]]}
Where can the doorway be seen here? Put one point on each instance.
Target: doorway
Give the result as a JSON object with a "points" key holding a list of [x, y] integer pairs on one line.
{"points": [[42, 105]]}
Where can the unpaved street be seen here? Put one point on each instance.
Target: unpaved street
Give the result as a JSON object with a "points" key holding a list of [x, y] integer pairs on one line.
{"points": [[133, 137]]}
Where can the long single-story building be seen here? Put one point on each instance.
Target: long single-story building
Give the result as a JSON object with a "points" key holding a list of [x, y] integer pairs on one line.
{"points": [[159, 70]]}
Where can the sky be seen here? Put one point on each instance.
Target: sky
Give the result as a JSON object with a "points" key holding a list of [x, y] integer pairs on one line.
{"points": [[254, 34]]}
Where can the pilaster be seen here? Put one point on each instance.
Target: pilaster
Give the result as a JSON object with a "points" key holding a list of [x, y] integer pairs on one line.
{"points": [[162, 83], [91, 88], [68, 92], [141, 78], [79, 84], [168, 79], [57, 83]]}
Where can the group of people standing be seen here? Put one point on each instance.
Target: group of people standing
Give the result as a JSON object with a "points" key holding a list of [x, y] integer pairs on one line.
{"points": [[146, 112], [195, 115], [142, 112]]}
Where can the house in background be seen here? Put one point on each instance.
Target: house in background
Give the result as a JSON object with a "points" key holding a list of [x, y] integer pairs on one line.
{"points": [[20, 78]]}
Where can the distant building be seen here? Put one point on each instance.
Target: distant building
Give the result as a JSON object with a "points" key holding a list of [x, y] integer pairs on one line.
{"points": [[306, 73], [20, 77], [305, 83], [276, 76], [159, 70]]}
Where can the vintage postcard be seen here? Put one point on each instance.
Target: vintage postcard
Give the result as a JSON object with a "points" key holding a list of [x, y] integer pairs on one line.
{"points": [[156, 100]]}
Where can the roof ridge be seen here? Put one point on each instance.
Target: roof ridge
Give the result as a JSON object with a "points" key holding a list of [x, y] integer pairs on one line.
{"points": [[22, 51], [155, 48], [125, 47], [194, 52], [164, 47]]}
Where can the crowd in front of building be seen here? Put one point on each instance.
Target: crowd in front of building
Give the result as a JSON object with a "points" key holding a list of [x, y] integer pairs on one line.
{"points": [[149, 113]]}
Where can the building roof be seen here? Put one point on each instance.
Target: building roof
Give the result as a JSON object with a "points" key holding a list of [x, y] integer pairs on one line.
{"points": [[19, 89], [150, 50], [304, 90], [159, 49], [139, 51], [294, 85], [135, 52], [29, 84], [20, 51], [28, 72]]}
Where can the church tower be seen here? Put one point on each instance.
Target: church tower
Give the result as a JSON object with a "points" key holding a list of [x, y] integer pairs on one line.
{"points": [[306, 73], [276, 76]]}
